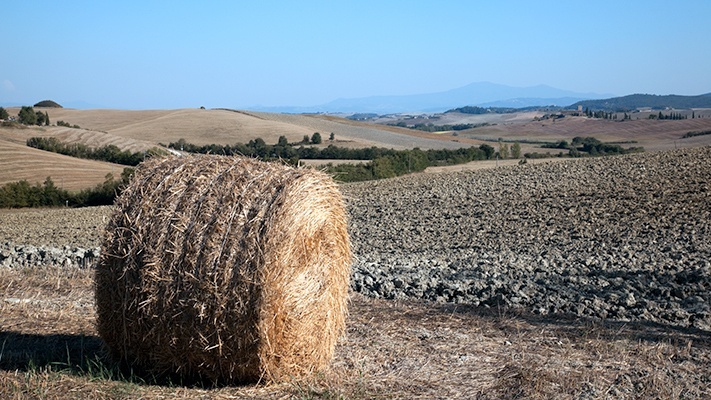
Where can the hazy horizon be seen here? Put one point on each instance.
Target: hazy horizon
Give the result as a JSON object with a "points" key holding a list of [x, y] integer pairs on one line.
{"points": [[162, 55]]}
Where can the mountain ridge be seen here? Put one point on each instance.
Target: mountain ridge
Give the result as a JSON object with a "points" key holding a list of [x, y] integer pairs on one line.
{"points": [[653, 101], [473, 94]]}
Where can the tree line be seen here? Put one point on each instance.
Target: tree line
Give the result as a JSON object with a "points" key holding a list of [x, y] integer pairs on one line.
{"points": [[695, 133], [109, 153], [438, 128], [590, 146], [28, 116], [383, 163], [605, 115], [23, 194], [670, 116]]}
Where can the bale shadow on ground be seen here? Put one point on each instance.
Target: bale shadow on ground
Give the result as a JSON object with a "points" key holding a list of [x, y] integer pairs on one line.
{"points": [[82, 355], [27, 352]]}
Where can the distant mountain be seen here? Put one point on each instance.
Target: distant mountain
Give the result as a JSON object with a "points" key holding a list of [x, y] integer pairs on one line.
{"points": [[635, 101], [475, 94], [532, 102]]}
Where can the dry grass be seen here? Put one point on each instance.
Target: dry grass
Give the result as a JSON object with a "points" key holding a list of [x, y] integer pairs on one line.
{"points": [[194, 125], [225, 269], [50, 349]]}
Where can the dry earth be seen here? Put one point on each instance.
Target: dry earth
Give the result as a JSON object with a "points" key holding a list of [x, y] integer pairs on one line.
{"points": [[477, 238], [653, 135], [621, 237]]}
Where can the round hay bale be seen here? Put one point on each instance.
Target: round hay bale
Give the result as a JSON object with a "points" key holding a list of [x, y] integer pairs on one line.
{"points": [[225, 269]]}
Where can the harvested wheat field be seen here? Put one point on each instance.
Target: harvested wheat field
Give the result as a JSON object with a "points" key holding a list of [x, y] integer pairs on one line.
{"points": [[225, 126], [586, 279], [19, 162]]}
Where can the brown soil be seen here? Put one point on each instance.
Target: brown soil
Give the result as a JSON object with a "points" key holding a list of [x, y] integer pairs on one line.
{"points": [[653, 135]]}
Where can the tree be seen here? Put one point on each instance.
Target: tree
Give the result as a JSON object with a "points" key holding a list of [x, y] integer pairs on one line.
{"points": [[27, 116], [516, 151], [383, 168], [46, 118], [316, 138], [503, 150], [282, 141], [40, 118], [332, 136], [488, 151], [3, 114], [305, 140]]}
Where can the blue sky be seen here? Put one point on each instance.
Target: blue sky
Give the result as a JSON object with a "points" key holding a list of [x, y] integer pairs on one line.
{"points": [[173, 54]]}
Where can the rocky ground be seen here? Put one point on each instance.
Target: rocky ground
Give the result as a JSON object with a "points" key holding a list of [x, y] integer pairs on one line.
{"points": [[624, 238]]}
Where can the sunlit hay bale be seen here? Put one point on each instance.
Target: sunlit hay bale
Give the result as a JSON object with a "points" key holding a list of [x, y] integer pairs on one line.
{"points": [[224, 269]]}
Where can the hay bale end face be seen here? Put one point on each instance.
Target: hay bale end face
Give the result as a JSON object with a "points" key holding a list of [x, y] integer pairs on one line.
{"points": [[226, 269]]}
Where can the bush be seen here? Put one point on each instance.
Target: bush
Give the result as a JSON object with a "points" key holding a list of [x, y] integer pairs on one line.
{"points": [[558, 145], [384, 163], [21, 194], [27, 116], [110, 153]]}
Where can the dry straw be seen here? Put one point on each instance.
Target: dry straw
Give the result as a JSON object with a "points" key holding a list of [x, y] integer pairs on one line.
{"points": [[224, 269]]}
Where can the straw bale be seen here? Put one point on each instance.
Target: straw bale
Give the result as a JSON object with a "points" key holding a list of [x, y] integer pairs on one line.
{"points": [[224, 269]]}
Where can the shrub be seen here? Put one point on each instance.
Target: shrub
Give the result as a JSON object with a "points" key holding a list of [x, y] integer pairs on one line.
{"points": [[27, 116]]}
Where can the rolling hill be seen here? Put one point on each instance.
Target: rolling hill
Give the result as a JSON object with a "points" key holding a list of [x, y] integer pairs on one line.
{"points": [[142, 130], [19, 162], [656, 102]]}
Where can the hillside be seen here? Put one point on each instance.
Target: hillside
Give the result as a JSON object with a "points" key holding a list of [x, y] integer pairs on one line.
{"points": [[48, 104], [141, 130], [636, 101], [222, 126], [19, 162]]}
